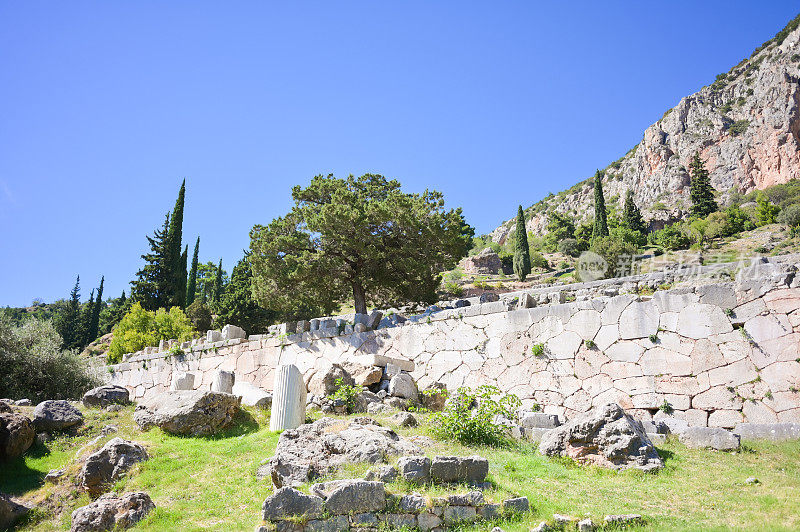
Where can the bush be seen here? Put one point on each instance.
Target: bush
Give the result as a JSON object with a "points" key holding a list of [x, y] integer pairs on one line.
{"points": [[630, 236], [766, 211], [571, 247], [619, 255], [538, 261], [454, 289], [200, 315], [790, 216], [670, 238], [470, 417], [141, 328], [347, 394], [34, 366]]}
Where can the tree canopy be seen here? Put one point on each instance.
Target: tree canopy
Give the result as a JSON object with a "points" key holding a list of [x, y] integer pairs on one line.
{"points": [[701, 192], [522, 252], [359, 238], [600, 213]]}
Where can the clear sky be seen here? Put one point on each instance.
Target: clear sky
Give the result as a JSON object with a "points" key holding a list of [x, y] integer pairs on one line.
{"points": [[106, 106]]}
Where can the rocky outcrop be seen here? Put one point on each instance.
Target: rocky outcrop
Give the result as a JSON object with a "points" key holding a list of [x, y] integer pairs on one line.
{"points": [[191, 413], [605, 436], [485, 262], [50, 416], [112, 512], [745, 126], [108, 464], [16, 435], [10, 511], [106, 395], [314, 449]]}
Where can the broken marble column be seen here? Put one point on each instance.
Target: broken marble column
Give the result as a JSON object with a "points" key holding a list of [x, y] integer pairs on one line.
{"points": [[182, 381], [223, 382], [213, 336], [288, 399], [232, 332]]}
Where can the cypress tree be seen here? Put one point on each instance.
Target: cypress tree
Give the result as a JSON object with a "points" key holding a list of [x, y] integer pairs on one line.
{"points": [[68, 322], [701, 193], [218, 283], [632, 216], [86, 321], [600, 215], [191, 283], [184, 278], [522, 253], [94, 321], [175, 268]]}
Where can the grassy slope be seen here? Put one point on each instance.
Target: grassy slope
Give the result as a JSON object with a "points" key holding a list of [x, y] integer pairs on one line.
{"points": [[209, 483]]}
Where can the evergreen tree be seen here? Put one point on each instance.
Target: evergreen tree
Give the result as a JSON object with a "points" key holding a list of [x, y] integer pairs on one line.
{"points": [[191, 284], [631, 216], [86, 321], [150, 286], [701, 193], [522, 253], [175, 266], [237, 305], [600, 214], [184, 274], [218, 283], [68, 321], [94, 321]]}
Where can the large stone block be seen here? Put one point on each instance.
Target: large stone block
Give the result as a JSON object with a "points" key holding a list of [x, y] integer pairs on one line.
{"points": [[232, 332], [717, 398], [585, 323], [638, 320], [768, 431], [223, 382], [459, 469], [763, 328], [711, 438], [183, 380], [701, 321]]}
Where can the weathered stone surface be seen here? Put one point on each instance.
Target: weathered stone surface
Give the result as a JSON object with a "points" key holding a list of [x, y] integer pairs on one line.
{"points": [[112, 512], [638, 320], [106, 395], [191, 413], [288, 502], [252, 395], [383, 474], [428, 521], [336, 523], [369, 376], [405, 419], [289, 402], [49, 416], [434, 396], [623, 519], [315, 449], [182, 381], [413, 502], [516, 505], [223, 381], [10, 511], [605, 436], [485, 262], [403, 386], [354, 495], [109, 463], [768, 431], [232, 332], [538, 420], [459, 514], [706, 437], [323, 382], [16, 435], [473, 498], [416, 469], [459, 469]]}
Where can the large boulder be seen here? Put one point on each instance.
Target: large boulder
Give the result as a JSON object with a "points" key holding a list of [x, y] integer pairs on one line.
{"points": [[50, 416], [324, 381], [605, 436], [471, 469], [252, 395], [187, 412], [288, 502], [16, 435], [106, 395], [315, 449], [10, 511], [351, 496], [112, 512], [403, 386], [109, 464]]}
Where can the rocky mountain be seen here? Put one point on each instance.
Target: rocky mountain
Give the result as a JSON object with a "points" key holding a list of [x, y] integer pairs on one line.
{"points": [[745, 125]]}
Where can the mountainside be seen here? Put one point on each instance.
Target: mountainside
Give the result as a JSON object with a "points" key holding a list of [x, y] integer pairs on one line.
{"points": [[746, 126]]}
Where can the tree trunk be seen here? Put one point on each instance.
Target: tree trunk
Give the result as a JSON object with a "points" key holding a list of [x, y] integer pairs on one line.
{"points": [[359, 298]]}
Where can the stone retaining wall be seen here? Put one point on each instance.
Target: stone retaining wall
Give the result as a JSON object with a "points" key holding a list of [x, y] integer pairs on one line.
{"points": [[716, 354]]}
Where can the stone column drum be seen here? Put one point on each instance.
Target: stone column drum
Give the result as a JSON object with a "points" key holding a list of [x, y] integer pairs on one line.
{"points": [[288, 399], [223, 382]]}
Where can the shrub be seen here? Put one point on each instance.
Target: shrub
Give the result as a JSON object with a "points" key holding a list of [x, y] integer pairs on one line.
{"points": [[141, 328], [619, 255], [34, 366], [346, 393], [790, 216], [200, 315], [538, 261], [470, 417], [571, 247], [766, 211], [630, 236], [670, 238], [537, 350], [454, 289]]}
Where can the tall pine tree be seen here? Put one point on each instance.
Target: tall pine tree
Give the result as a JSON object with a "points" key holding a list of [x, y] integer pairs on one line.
{"points": [[522, 253], [175, 266], [701, 193], [218, 287], [237, 305], [600, 215], [94, 320], [68, 321], [632, 216], [150, 286], [184, 275], [191, 284]]}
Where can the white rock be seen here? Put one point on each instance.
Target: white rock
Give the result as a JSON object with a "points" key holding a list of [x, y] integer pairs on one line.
{"points": [[289, 401]]}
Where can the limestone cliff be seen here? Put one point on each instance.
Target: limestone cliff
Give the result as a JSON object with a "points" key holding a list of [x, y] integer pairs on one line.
{"points": [[745, 125]]}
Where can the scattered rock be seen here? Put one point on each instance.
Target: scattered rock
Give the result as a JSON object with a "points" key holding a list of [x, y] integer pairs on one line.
{"points": [[383, 474], [315, 449], [564, 521], [752, 480], [405, 419], [605, 436], [396, 402], [416, 469], [623, 519], [446, 469], [489, 297], [16, 435], [288, 502], [109, 464], [369, 376], [707, 437], [114, 408], [541, 527], [252, 395], [187, 412], [5, 407], [516, 505], [10, 511], [323, 382], [50, 416], [112, 512], [403, 386], [54, 475], [23, 402], [106, 395], [585, 525]]}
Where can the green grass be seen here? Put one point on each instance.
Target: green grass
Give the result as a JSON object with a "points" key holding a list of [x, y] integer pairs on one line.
{"points": [[210, 484]]}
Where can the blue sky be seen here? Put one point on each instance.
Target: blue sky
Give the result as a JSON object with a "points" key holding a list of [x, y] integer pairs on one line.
{"points": [[106, 106]]}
